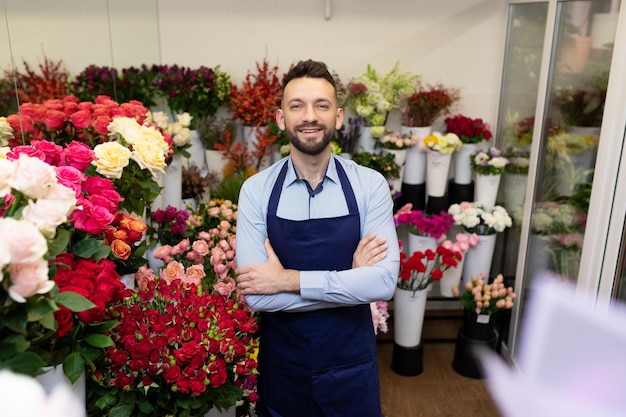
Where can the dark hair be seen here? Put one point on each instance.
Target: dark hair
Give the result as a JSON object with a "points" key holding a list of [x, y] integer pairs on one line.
{"points": [[310, 69]]}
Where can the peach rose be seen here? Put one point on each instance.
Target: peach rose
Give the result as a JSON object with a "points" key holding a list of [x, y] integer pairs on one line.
{"points": [[200, 247], [194, 274], [174, 270]]}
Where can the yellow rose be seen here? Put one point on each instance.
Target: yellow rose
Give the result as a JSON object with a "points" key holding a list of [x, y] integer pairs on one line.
{"points": [[126, 128], [112, 158], [149, 155]]}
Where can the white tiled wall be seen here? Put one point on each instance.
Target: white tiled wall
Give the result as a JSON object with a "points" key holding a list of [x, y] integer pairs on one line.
{"points": [[458, 42]]}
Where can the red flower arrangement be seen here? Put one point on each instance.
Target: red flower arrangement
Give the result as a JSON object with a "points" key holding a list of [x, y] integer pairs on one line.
{"points": [[420, 223], [414, 275], [256, 101], [428, 102], [178, 350], [467, 129]]}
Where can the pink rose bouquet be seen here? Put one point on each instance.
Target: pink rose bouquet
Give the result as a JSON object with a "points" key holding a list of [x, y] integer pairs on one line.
{"points": [[420, 223]]}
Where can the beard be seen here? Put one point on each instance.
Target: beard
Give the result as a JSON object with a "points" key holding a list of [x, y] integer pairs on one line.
{"points": [[310, 147]]}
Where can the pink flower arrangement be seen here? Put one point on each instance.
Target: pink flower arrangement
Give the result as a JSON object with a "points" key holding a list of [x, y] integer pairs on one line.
{"points": [[420, 223], [462, 244]]}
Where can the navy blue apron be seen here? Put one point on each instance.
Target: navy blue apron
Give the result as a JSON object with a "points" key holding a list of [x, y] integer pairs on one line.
{"points": [[323, 362]]}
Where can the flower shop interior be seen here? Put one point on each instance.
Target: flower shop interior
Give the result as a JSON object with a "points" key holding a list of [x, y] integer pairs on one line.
{"points": [[499, 125]]}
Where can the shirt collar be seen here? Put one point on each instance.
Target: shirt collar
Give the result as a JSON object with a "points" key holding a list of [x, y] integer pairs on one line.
{"points": [[331, 171]]}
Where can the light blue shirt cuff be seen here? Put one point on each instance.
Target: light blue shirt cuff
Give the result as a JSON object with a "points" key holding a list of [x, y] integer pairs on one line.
{"points": [[312, 285]]}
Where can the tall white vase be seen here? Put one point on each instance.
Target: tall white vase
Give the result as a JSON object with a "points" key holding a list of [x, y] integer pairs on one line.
{"points": [[478, 258], [451, 277], [215, 160], [172, 194], [366, 141], [408, 316], [54, 376], [486, 189], [462, 164], [196, 152], [437, 169], [415, 164], [399, 156]]}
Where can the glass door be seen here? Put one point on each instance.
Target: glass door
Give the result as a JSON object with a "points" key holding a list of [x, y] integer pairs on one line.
{"points": [[564, 137]]}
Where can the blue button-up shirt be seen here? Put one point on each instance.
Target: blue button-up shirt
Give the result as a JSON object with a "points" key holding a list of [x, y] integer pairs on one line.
{"points": [[320, 289]]}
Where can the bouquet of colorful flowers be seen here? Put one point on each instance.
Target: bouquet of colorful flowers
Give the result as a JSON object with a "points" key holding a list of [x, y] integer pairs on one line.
{"points": [[423, 224], [54, 214], [396, 140], [475, 219], [442, 143], [484, 298], [467, 129], [426, 104], [489, 162], [414, 275], [372, 95], [255, 102], [179, 350], [127, 151]]}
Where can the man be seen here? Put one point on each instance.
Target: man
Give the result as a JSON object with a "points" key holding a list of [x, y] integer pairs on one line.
{"points": [[316, 243]]}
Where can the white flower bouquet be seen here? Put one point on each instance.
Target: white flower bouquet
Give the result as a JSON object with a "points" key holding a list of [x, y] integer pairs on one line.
{"points": [[473, 217]]}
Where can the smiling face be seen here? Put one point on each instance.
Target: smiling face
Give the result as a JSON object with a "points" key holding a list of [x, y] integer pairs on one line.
{"points": [[309, 114]]}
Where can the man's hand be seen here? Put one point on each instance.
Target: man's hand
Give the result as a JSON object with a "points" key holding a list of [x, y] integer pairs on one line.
{"points": [[369, 251], [267, 278]]}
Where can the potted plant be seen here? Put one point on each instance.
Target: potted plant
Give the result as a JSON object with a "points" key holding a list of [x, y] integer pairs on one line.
{"points": [[428, 103], [515, 177], [384, 163], [197, 184]]}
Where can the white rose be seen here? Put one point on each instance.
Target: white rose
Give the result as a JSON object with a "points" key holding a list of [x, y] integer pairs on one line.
{"points": [[7, 168], [160, 119], [184, 119], [33, 177], [182, 138], [125, 128]]}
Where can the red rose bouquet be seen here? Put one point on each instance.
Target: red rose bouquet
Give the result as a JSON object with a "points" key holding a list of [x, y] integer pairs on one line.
{"points": [[178, 350], [467, 129], [414, 275]]}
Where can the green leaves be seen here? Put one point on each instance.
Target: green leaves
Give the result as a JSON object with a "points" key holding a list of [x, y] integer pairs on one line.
{"points": [[74, 301]]}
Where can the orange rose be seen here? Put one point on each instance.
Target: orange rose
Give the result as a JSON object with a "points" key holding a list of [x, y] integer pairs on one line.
{"points": [[121, 249]]}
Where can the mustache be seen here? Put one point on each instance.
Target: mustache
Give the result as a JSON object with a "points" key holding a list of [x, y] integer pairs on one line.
{"points": [[309, 126]]}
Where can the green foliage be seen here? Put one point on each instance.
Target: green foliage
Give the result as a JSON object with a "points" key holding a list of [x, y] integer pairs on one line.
{"points": [[228, 188], [384, 163]]}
